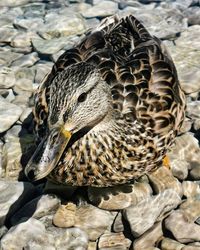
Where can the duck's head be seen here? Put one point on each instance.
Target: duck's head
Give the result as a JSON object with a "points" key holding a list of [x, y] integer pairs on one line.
{"points": [[79, 100]]}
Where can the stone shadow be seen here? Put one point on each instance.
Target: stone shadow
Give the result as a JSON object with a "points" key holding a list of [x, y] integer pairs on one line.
{"points": [[30, 191]]}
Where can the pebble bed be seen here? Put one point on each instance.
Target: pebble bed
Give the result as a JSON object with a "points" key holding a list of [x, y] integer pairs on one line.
{"points": [[161, 210]]}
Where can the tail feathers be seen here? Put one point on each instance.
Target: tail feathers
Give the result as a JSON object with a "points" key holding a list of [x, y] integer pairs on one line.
{"points": [[121, 34], [134, 26], [137, 29]]}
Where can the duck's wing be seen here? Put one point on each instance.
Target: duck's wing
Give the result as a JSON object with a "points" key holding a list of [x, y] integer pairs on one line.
{"points": [[142, 77]]}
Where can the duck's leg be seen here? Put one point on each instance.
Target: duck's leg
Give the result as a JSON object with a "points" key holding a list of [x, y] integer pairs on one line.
{"points": [[166, 162]]}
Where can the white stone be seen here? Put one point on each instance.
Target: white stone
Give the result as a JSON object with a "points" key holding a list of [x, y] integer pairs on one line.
{"points": [[42, 69], [37, 208], [70, 23], [26, 60], [142, 216], [23, 39], [12, 196], [13, 3], [7, 78], [33, 235], [183, 230], [28, 23], [9, 114], [7, 57], [48, 47], [187, 46], [101, 9], [26, 234], [7, 34]]}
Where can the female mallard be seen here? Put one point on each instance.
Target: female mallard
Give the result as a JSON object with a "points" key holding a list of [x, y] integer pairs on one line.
{"points": [[109, 109]]}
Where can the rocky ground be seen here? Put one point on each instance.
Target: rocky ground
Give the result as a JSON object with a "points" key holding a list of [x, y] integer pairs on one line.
{"points": [[160, 211]]}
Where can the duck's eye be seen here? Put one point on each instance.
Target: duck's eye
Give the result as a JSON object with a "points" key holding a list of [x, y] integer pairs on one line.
{"points": [[82, 97]]}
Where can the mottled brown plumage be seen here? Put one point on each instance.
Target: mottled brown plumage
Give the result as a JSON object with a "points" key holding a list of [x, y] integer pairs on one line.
{"points": [[118, 94]]}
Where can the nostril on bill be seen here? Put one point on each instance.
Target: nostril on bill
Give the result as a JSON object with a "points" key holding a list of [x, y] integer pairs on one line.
{"points": [[31, 175]]}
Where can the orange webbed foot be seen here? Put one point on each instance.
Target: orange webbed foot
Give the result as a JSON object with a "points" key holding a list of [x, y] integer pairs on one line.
{"points": [[166, 162]]}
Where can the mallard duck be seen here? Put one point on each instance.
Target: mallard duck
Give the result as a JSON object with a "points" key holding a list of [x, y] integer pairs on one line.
{"points": [[109, 110]]}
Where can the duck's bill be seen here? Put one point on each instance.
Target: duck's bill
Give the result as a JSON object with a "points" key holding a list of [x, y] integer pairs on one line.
{"points": [[47, 154]]}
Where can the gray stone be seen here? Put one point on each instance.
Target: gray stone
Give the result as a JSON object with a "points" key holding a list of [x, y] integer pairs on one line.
{"points": [[119, 197], [55, 56], [187, 46], [7, 94], [22, 98], [13, 3], [169, 244], [139, 217], [80, 6], [195, 171], [197, 124], [9, 114], [26, 60], [185, 3], [118, 225], [162, 179], [178, 167], [193, 15], [34, 9], [186, 149], [183, 230], [23, 84], [24, 73], [193, 110], [7, 57], [42, 69], [13, 132], [1, 158], [22, 50], [29, 235], [5, 18], [149, 238], [28, 23], [12, 151], [113, 241], [12, 196], [84, 217], [101, 9], [187, 125], [163, 23], [92, 22], [7, 15], [71, 238], [126, 3], [191, 34], [3, 231], [48, 47], [37, 208], [25, 114], [32, 234], [191, 247], [7, 34], [191, 189], [190, 209], [7, 78], [92, 245], [69, 24], [23, 39], [11, 158]]}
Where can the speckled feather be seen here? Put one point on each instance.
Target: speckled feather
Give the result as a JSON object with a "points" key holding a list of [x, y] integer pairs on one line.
{"points": [[146, 98]]}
